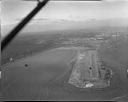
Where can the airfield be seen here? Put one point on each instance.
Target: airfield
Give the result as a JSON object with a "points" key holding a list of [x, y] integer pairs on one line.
{"points": [[37, 67], [46, 78], [37, 64]]}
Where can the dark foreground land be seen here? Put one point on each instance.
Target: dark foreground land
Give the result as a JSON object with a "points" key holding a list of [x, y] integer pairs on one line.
{"points": [[44, 75], [46, 78]]}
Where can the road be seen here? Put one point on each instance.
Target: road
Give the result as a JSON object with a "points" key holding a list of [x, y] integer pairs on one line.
{"points": [[46, 77]]}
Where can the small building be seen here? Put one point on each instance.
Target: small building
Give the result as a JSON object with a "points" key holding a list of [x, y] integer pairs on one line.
{"points": [[11, 59]]}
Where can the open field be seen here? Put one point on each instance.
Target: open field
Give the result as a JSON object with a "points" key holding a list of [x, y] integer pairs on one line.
{"points": [[40, 72], [31, 43], [46, 78]]}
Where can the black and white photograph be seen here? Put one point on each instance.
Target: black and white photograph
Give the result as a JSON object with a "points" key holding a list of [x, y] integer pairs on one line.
{"points": [[64, 50]]}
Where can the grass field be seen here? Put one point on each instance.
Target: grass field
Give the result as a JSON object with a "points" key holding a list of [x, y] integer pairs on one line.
{"points": [[31, 43], [45, 77]]}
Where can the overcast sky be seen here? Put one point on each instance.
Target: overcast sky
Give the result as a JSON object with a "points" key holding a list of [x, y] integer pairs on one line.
{"points": [[12, 10]]}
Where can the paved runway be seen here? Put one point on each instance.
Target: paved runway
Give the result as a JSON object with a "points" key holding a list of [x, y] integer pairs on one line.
{"points": [[46, 77]]}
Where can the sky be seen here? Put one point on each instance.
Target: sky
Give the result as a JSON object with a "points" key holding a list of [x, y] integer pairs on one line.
{"points": [[12, 11]]}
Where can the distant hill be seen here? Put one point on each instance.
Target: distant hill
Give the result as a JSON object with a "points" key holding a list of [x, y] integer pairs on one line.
{"points": [[60, 24]]}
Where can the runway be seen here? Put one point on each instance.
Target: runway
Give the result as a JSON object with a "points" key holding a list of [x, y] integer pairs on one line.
{"points": [[46, 77]]}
